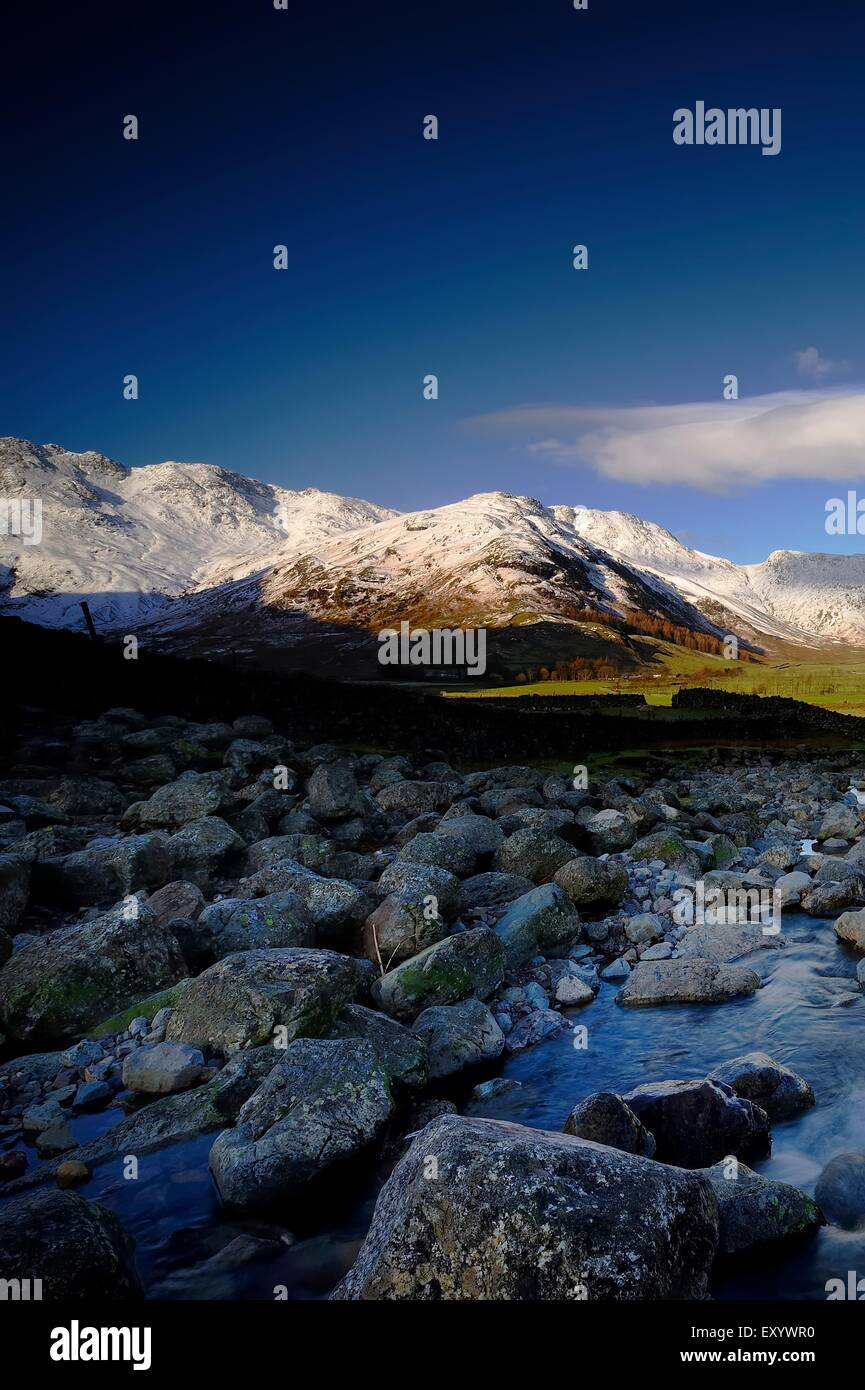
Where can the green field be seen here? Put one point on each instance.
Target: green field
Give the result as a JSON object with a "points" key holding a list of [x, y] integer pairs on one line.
{"points": [[837, 684]]}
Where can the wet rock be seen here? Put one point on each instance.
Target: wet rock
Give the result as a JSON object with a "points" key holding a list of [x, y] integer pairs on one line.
{"points": [[71, 1173], [696, 1123], [727, 942], [535, 1028], [458, 1036], [240, 1001], [607, 1119], [326, 1101], [777, 1089], [850, 928], [542, 922], [757, 1211], [689, 981], [471, 962], [522, 1214], [75, 1247], [840, 1190]]}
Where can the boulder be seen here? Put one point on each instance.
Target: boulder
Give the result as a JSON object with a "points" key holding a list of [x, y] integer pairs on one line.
{"points": [[542, 922], [160, 1069], [204, 848], [333, 793], [593, 884], [533, 854], [109, 868], [178, 899], [607, 1119], [446, 851], [324, 1102], [241, 1000], [840, 1190], [14, 891], [244, 924], [400, 927], [458, 1036], [670, 849], [696, 1123], [685, 981], [471, 962], [726, 942], [75, 1247], [850, 928], [402, 1054], [515, 1214], [60, 984], [779, 1091], [192, 796], [757, 1211], [610, 831]]}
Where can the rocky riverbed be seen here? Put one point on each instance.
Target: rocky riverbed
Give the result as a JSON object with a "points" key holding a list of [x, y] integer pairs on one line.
{"points": [[282, 1021]]}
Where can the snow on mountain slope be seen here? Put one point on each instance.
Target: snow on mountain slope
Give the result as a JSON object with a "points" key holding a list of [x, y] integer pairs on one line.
{"points": [[126, 539], [491, 560], [791, 595]]}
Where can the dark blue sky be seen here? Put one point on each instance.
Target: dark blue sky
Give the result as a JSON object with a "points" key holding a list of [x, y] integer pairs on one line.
{"points": [[408, 257]]}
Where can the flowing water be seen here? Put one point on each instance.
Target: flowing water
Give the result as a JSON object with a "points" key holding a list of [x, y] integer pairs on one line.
{"points": [[809, 1014]]}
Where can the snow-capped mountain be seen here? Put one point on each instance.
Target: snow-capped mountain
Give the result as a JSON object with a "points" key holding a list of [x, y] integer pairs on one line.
{"points": [[793, 594], [127, 539], [206, 560]]}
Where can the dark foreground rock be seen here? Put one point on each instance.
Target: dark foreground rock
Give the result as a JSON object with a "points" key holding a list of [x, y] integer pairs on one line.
{"points": [[75, 1247], [758, 1211], [325, 1102], [481, 1209], [696, 1123]]}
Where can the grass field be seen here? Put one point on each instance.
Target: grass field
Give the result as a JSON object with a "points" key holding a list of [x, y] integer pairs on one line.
{"points": [[837, 683]]}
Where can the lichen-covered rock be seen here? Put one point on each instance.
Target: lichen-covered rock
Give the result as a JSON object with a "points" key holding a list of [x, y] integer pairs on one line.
{"points": [[324, 1102], [335, 905], [75, 1247], [670, 848], [686, 981], [607, 1119], [696, 1123], [727, 941], [471, 962], [244, 924], [59, 984], [533, 854], [458, 1036], [333, 792], [109, 868], [542, 922], [402, 1054], [241, 1000], [407, 799], [452, 852], [757, 1211], [192, 796], [204, 848], [526, 1215], [777, 1089], [593, 884], [400, 927]]}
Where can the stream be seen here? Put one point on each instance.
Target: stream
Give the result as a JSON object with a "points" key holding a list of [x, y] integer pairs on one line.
{"points": [[809, 1014]]}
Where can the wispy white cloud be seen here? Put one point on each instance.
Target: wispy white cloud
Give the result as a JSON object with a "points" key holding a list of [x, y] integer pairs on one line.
{"points": [[809, 363], [714, 446]]}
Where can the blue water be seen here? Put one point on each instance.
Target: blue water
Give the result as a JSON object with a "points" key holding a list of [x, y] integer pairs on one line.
{"points": [[809, 1014]]}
